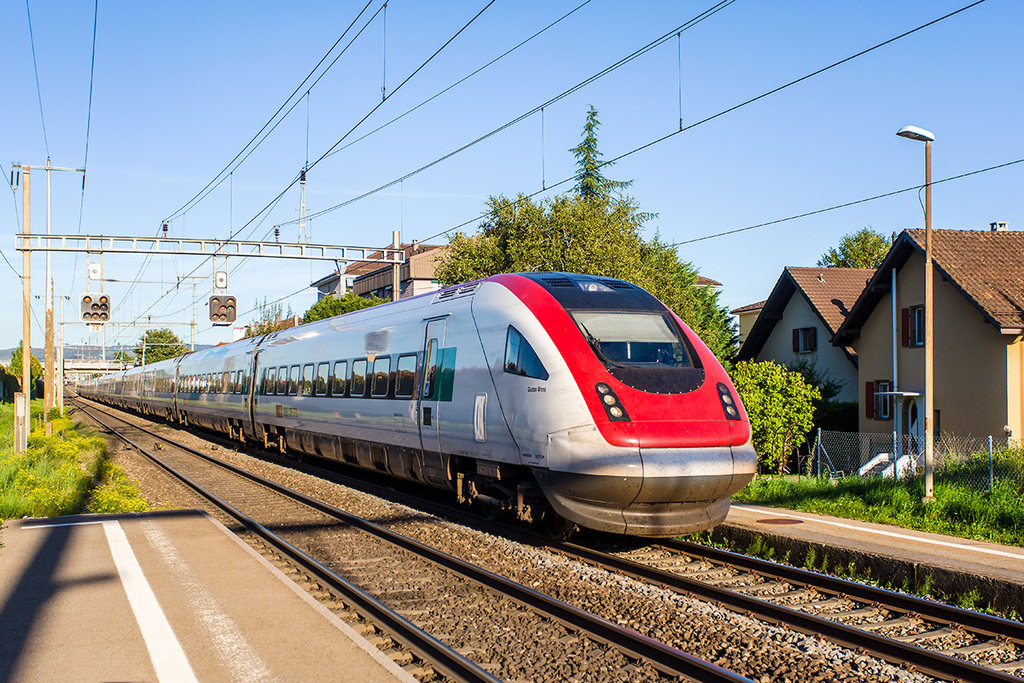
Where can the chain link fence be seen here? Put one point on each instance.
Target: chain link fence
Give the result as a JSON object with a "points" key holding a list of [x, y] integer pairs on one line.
{"points": [[978, 463]]}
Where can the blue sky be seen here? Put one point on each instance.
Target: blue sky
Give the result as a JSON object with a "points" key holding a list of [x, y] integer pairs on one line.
{"points": [[181, 87]]}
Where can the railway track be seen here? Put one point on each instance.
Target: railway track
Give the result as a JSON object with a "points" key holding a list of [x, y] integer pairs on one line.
{"points": [[399, 583], [936, 639]]}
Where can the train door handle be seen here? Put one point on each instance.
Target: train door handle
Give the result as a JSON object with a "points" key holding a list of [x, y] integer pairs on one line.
{"points": [[426, 416]]}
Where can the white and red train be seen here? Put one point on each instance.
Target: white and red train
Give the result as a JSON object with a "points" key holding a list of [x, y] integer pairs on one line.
{"points": [[549, 395]]}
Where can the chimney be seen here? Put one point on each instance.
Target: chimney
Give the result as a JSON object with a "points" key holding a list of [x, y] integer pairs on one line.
{"points": [[999, 226]]}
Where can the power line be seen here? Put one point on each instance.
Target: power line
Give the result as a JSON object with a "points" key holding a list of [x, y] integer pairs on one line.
{"points": [[88, 127], [565, 93], [35, 67], [17, 220], [464, 78], [843, 205], [717, 115], [219, 178]]}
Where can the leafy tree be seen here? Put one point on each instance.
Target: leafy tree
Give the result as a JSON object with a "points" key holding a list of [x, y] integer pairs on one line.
{"points": [[780, 405], [587, 231], [158, 344], [828, 386], [270, 320], [862, 249], [330, 306], [35, 367]]}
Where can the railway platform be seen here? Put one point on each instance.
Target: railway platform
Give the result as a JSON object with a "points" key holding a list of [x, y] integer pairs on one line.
{"points": [[164, 596], [893, 555]]}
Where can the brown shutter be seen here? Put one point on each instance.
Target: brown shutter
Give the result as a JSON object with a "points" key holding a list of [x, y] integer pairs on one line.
{"points": [[796, 341], [906, 327], [869, 400], [812, 339]]}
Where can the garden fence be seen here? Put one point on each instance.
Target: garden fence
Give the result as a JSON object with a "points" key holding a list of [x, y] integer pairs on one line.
{"points": [[978, 463]]}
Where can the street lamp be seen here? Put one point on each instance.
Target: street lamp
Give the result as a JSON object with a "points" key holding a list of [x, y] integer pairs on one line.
{"points": [[922, 135]]}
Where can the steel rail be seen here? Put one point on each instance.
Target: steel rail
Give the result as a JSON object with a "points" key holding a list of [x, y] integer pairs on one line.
{"points": [[663, 657], [893, 651], [976, 622], [442, 658]]}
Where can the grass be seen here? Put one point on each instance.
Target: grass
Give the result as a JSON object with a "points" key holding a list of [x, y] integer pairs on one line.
{"points": [[958, 510], [66, 473]]}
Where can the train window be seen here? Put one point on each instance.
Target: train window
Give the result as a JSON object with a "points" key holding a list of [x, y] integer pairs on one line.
{"points": [[270, 381], [237, 386], [405, 382], [520, 358], [322, 372], [307, 379], [293, 380], [338, 379], [282, 380], [430, 369], [358, 387], [644, 350], [381, 374], [224, 383], [245, 380]]}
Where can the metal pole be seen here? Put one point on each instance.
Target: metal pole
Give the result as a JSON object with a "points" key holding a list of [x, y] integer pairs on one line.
{"points": [[991, 473], [26, 288], [929, 333], [48, 370], [396, 243], [60, 359]]}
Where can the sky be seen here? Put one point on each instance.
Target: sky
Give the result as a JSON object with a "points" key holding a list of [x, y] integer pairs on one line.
{"points": [[179, 89]]}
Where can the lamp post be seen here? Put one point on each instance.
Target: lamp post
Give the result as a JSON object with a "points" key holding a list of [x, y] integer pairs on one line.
{"points": [[921, 135]]}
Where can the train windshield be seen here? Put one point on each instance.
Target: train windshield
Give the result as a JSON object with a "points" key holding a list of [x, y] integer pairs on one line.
{"points": [[645, 350]]}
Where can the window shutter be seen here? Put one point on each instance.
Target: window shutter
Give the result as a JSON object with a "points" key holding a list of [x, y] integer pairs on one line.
{"points": [[812, 338], [906, 326], [869, 400], [796, 341]]}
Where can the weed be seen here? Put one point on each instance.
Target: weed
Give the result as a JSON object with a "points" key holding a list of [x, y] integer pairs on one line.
{"points": [[810, 559]]}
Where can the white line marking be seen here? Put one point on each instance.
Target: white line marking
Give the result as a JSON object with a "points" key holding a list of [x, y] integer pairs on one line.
{"points": [[165, 651], [235, 652], [903, 537]]}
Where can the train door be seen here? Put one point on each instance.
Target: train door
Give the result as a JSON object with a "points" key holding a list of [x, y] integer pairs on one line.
{"points": [[430, 399]]}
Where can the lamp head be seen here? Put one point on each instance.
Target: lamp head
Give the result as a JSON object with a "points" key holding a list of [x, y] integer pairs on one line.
{"points": [[915, 133]]}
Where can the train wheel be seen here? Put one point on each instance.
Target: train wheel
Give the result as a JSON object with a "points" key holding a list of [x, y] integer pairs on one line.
{"points": [[556, 526]]}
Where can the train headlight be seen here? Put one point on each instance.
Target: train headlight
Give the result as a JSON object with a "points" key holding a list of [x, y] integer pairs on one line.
{"points": [[728, 402], [612, 406]]}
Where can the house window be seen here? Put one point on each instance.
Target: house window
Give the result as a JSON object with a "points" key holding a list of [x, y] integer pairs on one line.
{"points": [[917, 326], [883, 403], [805, 339]]}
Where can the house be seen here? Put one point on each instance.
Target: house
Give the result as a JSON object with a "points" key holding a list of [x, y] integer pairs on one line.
{"points": [[800, 316], [745, 317], [978, 335], [365, 279]]}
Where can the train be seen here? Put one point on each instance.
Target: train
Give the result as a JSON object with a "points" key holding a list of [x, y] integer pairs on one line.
{"points": [[559, 398]]}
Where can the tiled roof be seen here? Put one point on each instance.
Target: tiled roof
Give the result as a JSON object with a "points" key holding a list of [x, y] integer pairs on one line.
{"points": [[707, 282], [831, 291], [749, 308], [987, 267]]}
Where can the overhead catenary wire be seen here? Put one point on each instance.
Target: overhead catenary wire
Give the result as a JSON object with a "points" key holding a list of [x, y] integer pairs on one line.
{"points": [[35, 68], [273, 202], [844, 205], [219, 178], [88, 127], [723, 112], [465, 78], [539, 108]]}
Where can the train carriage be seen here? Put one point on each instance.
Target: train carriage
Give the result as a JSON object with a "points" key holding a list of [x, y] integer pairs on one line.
{"points": [[570, 397]]}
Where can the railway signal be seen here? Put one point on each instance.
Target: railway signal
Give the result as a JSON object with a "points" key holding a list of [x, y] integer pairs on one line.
{"points": [[223, 309], [95, 308]]}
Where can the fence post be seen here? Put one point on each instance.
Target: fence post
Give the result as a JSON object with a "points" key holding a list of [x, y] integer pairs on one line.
{"points": [[817, 451], [991, 478]]}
